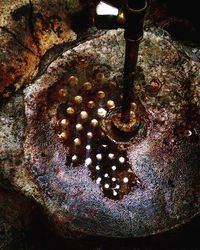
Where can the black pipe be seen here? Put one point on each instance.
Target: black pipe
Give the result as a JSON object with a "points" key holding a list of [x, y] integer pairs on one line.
{"points": [[134, 12], [131, 55]]}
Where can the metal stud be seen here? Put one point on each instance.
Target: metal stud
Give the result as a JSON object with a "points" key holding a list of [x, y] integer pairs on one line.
{"points": [[73, 80], [62, 92], [91, 104], [110, 104], [70, 111], [101, 94], [84, 115], [87, 86], [64, 123], [101, 112], [89, 135], [133, 106], [94, 122], [77, 141], [78, 99], [79, 127], [63, 135], [100, 76]]}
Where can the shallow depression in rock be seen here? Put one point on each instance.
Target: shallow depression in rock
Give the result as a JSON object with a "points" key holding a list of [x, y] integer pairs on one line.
{"points": [[70, 102]]}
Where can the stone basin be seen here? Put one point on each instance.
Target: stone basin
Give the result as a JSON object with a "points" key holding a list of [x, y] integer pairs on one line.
{"points": [[164, 158]]}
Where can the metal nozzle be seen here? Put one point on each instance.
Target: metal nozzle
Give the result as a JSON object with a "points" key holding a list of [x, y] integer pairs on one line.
{"points": [[130, 17]]}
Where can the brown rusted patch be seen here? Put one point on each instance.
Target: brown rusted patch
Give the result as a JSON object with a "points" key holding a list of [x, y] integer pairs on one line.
{"points": [[17, 63], [28, 30]]}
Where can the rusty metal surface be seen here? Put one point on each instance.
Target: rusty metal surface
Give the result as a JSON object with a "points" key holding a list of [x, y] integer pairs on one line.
{"points": [[166, 159]]}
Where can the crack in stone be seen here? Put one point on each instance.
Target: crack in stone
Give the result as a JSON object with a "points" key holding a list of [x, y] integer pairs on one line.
{"points": [[16, 39], [31, 26], [57, 50]]}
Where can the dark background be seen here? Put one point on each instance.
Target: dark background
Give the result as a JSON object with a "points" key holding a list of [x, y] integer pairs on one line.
{"points": [[23, 226], [38, 236], [184, 237]]}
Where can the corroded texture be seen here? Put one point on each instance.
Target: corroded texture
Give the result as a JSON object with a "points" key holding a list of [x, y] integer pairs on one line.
{"points": [[28, 29], [166, 160], [17, 63], [31, 32]]}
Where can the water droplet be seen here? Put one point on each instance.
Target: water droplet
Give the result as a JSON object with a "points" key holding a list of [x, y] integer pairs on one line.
{"points": [[121, 159], [106, 186], [97, 167], [114, 193], [114, 168], [98, 180], [125, 180], [111, 156], [88, 161], [74, 157], [99, 157], [88, 147]]}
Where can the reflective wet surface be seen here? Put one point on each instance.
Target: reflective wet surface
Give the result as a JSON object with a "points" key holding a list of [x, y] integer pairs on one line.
{"points": [[136, 187], [87, 97]]}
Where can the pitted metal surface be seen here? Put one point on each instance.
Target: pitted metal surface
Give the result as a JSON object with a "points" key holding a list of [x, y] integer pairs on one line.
{"points": [[165, 160]]}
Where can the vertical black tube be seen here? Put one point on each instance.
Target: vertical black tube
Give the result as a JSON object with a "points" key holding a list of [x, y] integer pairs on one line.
{"points": [[134, 13], [136, 4], [131, 55]]}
